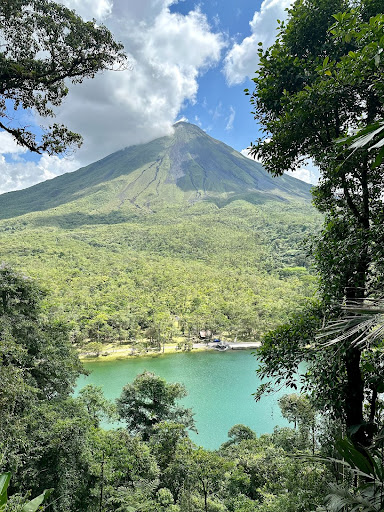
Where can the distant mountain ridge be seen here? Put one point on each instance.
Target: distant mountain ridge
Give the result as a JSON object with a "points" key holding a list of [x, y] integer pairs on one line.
{"points": [[184, 168]]}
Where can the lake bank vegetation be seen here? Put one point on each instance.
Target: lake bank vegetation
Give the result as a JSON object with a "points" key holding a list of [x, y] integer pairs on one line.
{"points": [[101, 352], [147, 464]]}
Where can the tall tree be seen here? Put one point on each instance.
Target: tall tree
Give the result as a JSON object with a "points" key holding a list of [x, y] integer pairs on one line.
{"points": [[150, 400], [321, 80], [37, 362], [45, 45]]}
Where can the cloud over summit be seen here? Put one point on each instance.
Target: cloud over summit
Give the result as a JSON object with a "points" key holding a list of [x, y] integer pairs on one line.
{"points": [[167, 52]]}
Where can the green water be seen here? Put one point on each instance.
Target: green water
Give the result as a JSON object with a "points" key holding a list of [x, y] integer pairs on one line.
{"points": [[219, 385]]}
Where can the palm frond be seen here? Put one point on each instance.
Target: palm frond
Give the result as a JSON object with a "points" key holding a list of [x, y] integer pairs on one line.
{"points": [[340, 498], [362, 324]]}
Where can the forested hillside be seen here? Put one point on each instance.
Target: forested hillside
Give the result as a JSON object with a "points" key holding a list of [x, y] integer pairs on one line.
{"points": [[122, 263], [240, 268]]}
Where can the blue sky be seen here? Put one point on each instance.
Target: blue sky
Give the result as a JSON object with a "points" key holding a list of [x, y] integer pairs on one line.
{"points": [[187, 60], [217, 102]]}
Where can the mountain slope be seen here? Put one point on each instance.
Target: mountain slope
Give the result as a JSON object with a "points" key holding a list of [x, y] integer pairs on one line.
{"points": [[184, 168], [169, 237]]}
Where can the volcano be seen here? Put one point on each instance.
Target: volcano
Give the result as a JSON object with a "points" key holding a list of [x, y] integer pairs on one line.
{"points": [[181, 169]]}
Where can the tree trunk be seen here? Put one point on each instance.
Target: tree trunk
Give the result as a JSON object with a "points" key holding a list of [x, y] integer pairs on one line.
{"points": [[360, 432], [354, 395]]}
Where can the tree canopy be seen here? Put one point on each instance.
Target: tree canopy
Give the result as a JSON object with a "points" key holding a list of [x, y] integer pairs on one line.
{"points": [[150, 400], [45, 45], [322, 81]]}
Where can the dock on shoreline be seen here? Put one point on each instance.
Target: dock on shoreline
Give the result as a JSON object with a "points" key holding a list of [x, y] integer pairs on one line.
{"points": [[245, 345]]}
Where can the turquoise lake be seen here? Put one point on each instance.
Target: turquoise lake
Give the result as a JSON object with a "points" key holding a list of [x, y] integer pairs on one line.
{"points": [[219, 385]]}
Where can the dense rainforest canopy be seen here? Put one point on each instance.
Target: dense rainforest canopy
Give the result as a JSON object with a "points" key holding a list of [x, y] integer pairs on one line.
{"points": [[151, 278], [321, 81]]}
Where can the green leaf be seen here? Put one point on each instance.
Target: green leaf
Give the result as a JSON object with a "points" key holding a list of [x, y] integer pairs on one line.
{"points": [[379, 158], [355, 458], [338, 17], [4, 482], [363, 140], [33, 505], [378, 144]]}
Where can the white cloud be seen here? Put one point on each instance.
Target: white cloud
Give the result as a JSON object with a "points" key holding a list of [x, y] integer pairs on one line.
{"points": [[23, 174], [230, 119], [18, 173], [242, 59], [216, 20], [90, 9], [9, 146], [246, 152], [167, 51], [217, 111], [309, 173], [304, 175]]}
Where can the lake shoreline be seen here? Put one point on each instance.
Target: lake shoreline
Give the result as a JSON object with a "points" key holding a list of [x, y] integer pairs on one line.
{"points": [[116, 352]]}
